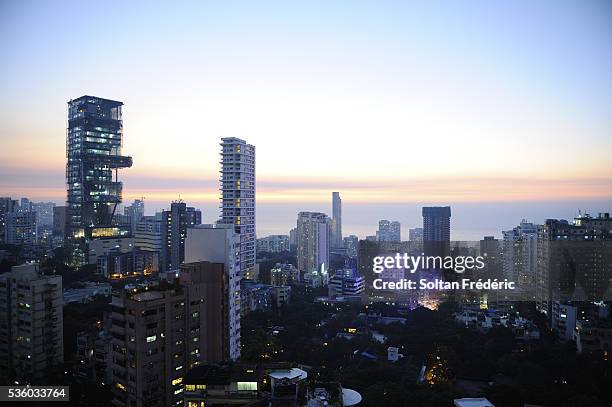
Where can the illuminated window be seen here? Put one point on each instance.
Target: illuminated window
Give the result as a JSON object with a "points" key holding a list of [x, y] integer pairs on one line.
{"points": [[120, 386], [200, 387], [247, 386], [177, 381], [151, 338], [190, 387]]}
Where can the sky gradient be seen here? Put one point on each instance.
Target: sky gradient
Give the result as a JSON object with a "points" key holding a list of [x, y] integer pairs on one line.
{"points": [[395, 104]]}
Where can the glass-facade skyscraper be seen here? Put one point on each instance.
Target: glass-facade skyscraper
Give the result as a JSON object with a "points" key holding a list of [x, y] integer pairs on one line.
{"points": [[238, 196], [93, 148]]}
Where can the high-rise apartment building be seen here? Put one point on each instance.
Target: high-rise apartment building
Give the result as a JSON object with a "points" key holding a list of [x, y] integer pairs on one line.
{"points": [[93, 148], [156, 338], [238, 195], [336, 222], [389, 231], [313, 241], [7, 205], [174, 232], [31, 324], [59, 221], [436, 223], [148, 238], [574, 260], [520, 252], [44, 213], [220, 244], [194, 216], [134, 212], [20, 228]]}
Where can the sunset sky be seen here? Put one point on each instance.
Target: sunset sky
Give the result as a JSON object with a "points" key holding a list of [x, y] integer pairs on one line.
{"points": [[503, 105]]}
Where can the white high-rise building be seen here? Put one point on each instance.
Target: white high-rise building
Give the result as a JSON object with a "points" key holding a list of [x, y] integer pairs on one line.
{"points": [[238, 196], [313, 241], [520, 252], [336, 224], [220, 244]]}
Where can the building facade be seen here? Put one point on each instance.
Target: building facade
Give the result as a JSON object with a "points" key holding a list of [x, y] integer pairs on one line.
{"points": [[237, 186], [31, 324], [93, 149], [313, 241], [336, 222], [273, 244], [220, 244], [389, 231]]}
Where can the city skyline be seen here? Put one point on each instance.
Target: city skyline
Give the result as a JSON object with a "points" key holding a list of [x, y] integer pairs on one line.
{"points": [[505, 126]]}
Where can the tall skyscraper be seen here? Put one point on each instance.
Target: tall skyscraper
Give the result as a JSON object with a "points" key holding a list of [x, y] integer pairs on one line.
{"points": [[436, 230], [31, 331], [313, 241], [174, 232], [93, 149], [336, 224], [238, 195], [436, 223], [389, 231]]}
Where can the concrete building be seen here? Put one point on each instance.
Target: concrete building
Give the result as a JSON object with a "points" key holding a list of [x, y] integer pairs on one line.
{"points": [[388, 231], [519, 250], [174, 232], [134, 212], [574, 260], [20, 228], [415, 235], [273, 244], [351, 244], [436, 230], [7, 205], [336, 221], [159, 332], [148, 238], [563, 318], [284, 274], [223, 385], [220, 244], [436, 223], [31, 324], [59, 221], [346, 283], [44, 213], [313, 241], [238, 196]]}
